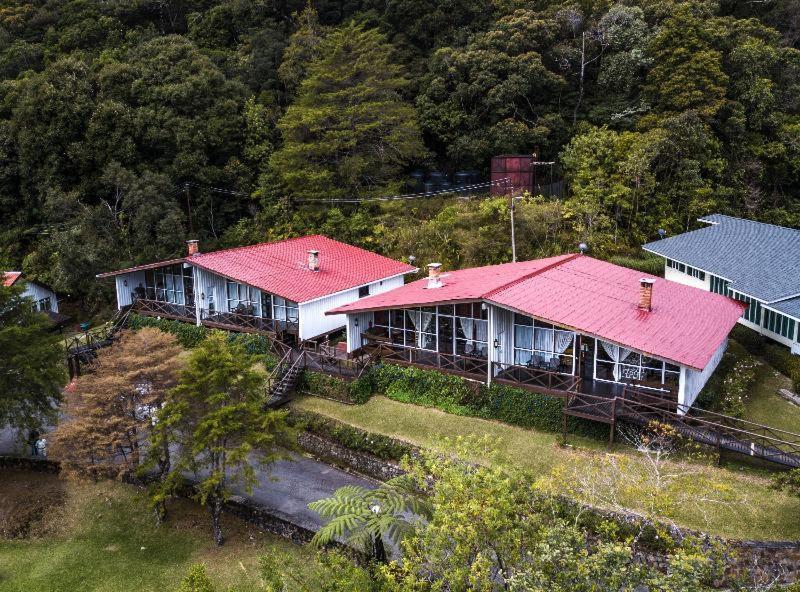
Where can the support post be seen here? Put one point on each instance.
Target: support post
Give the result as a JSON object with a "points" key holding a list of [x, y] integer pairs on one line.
{"points": [[613, 427], [564, 420]]}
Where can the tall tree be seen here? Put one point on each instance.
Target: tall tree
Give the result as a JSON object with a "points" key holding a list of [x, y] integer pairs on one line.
{"points": [[32, 369], [110, 410], [216, 418], [349, 132]]}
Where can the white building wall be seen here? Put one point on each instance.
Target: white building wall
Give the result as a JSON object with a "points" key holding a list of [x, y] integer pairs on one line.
{"points": [[354, 340], [313, 320], [686, 279], [125, 293], [37, 292], [693, 381], [501, 328]]}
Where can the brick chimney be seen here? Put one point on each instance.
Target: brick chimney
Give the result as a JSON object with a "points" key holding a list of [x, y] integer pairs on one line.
{"points": [[313, 260], [646, 294], [193, 247], [434, 273]]}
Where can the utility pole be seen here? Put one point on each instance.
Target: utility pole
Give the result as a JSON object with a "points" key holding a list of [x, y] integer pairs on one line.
{"points": [[513, 237], [189, 207]]}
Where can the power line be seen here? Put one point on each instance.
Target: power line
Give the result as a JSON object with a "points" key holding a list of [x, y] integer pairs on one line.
{"points": [[355, 200]]}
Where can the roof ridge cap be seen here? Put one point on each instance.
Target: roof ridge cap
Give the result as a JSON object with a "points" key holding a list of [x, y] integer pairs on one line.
{"points": [[272, 242], [527, 276]]}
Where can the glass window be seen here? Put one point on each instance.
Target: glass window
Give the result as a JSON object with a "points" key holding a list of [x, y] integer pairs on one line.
{"points": [[363, 291], [618, 364], [381, 318], [542, 345]]}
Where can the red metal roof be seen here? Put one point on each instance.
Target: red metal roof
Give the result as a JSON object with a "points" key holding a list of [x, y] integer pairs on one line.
{"points": [[457, 286], [10, 277], [282, 267], [686, 325]]}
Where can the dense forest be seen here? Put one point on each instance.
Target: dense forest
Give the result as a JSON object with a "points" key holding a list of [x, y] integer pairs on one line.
{"points": [[128, 126]]}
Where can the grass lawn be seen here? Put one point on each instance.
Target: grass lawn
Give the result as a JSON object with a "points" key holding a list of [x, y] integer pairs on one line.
{"points": [[750, 509], [100, 537], [767, 407]]}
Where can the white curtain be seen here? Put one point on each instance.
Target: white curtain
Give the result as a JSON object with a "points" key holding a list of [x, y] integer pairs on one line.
{"points": [[543, 342], [482, 331], [467, 326], [563, 340], [617, 354]]}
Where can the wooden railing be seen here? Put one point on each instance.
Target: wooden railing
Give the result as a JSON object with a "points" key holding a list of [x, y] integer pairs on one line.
{"points": [[470, 366], [246, 322], [348, 368], [164, 309], [535, 378]]}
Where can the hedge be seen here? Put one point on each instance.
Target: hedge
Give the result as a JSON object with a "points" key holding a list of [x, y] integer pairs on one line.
{"points": [[190, 336], [350, 437], [458, 396], [775, 354], [332, 387], [650, 265]]}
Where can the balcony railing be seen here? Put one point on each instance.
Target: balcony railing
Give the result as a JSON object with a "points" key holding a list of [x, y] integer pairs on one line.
{"points": [[535, 378], [246, 322], [471, 366], [163, 309]]}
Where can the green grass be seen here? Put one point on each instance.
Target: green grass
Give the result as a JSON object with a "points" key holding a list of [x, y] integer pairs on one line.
{"points": [[103, 539], [765, 406], [751, 509]]}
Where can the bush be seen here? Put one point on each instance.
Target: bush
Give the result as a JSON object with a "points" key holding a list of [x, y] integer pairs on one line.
{"points": [[331, 387], [196, 580], [784, 361], [649, 265], [737, 385], [458, 396], [350, 437], [748, 339], [188, 335], [775, 354]]}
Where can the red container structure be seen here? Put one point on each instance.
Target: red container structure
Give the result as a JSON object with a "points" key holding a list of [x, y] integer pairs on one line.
{"points": [[513, 173]]}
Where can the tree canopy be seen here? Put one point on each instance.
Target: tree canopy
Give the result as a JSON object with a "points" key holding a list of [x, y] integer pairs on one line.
{"points": [[127, 127]]}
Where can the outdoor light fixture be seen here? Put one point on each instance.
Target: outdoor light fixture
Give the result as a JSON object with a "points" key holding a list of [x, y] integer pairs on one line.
{"points": [[583, 247], [355, 323], [202, 295], [496, 343], [125, 283], [662, 233]]}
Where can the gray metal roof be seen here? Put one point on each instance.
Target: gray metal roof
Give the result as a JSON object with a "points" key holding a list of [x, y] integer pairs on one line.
{"points": [[760, 260]]}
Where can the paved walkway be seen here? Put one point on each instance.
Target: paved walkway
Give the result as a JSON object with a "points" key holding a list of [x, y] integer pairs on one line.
{"points": [[286, 487]]}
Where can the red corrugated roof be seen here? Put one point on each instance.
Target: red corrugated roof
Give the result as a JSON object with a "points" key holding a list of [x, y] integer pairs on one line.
{"points": [[9, 277], [686, 325], [456, 286], [282, 267]]}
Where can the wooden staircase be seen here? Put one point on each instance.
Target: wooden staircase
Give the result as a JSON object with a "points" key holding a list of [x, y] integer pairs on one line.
{"points": [[713, 429], [81, 350], [284, 377]]}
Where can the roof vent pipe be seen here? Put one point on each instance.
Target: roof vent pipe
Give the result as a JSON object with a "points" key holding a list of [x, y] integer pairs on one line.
{"points": [[434, 273], [646, 294], [193, 247], [313, 260]]}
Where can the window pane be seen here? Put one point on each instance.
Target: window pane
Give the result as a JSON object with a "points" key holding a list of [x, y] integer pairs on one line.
{"points": [[522, 357], [446, 310], [381, 317], [523, 337], [464, 310], [522, 320]]}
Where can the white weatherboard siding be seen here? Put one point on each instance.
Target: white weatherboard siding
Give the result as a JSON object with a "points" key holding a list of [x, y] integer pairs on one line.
{"points": [[693, 381], [354, 340], [313, 320], [37, 292], [210, 288], [686, 279], [501, 328], [125, 293]]}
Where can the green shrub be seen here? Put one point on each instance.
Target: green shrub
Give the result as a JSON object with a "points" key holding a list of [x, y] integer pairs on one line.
{"points": [[784, 361], [188, 335], [458, 396], [748, 339], [350, 437], [649, 265], [737, 385], [196, 580]]}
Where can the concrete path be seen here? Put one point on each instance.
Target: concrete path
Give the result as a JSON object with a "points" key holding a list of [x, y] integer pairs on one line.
{"points": [[286, 487]]}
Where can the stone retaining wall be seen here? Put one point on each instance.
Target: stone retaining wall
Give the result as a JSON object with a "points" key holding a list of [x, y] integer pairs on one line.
{"points": [[757, 561], [360, 462]]}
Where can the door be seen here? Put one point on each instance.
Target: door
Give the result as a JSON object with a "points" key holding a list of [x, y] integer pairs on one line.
{"points": [[587, 345]]}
